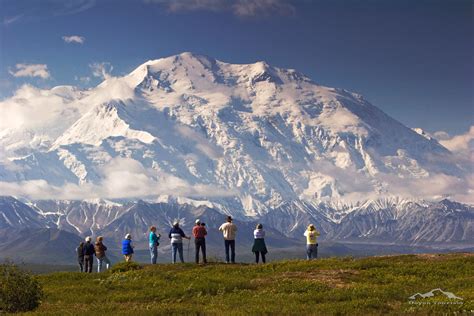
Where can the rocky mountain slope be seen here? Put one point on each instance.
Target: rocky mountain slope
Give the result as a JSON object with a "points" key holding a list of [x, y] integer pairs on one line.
{"points": [[393, 222]]}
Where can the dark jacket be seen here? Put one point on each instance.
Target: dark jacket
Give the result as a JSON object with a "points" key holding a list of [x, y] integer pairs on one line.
{"points": [[127, 247], [176, 235], [100, 249], [80, 252], [88, 249], [259, 246]]}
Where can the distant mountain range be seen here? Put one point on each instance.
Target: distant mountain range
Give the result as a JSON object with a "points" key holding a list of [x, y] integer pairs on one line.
{"points": [[396, 221], [49, 231]]}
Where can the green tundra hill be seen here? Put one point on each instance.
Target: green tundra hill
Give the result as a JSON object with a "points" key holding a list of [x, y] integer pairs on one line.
{"points": [[333, 286]]}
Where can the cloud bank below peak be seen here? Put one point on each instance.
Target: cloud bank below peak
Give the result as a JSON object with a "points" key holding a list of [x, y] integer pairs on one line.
{"points": [[122, 178]]}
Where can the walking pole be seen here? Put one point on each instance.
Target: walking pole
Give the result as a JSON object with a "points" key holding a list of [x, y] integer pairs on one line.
{"points": [[189, 242]]}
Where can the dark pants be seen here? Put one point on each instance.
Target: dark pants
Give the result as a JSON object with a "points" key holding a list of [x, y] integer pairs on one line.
{"points": [[257, 253], [88, 261], [230, 244], [81, 264], [311, 251], [200, 243]]}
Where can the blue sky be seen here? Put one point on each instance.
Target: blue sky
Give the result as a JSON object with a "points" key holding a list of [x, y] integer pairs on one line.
{"points": [[413, 59]]}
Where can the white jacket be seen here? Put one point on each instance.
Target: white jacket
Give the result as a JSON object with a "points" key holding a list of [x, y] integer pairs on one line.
{"points": [[228, 230]]}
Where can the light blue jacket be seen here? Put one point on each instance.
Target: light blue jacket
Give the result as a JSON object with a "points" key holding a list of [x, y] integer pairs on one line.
{"points": [[154, 240]]}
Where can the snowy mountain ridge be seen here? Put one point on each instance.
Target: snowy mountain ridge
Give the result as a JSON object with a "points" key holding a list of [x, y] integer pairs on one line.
{"points": [[436, 224], [245, 139]]}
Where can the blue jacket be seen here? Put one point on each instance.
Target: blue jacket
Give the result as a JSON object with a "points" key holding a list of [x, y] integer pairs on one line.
{"points": [[127, 247]]}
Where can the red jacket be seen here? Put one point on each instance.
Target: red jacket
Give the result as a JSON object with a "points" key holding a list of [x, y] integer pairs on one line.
{"points": [[199, 231]]}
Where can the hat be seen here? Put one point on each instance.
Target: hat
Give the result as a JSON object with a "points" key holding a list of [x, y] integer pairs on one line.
{"points": [[128, 236], [88, 238], [198, 221]]}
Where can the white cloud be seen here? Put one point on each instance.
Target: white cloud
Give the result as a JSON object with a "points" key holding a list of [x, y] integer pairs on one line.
{"points": [[30, 107], [128, 178], [440, 135], [457, 143], [462, 147], [354, 186], [32, 117], [101, 70], [74, 39], [30, 70], [435, 186], [201, 143], [242, 8], [122, 178]]}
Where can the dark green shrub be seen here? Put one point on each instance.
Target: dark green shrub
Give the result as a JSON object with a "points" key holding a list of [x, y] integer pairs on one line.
{"points": [[125, 266], [19, 290]]}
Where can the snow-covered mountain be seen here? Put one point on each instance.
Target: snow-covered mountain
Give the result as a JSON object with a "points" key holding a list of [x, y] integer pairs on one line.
{"points": [[253, 140], [246, 137], [388, 221]]}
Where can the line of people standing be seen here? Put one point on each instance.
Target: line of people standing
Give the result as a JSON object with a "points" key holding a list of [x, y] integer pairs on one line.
{"points": [[87, 250]]}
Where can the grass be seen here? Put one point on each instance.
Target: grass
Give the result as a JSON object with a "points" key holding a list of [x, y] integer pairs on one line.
{"points": [[334, 286]]}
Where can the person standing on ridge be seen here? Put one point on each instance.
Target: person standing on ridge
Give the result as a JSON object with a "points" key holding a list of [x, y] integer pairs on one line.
{"points": [[154, 242], [89, 252], [311, 242], [259, 247], [127, 248], [229, 230], [100, 250], [176, 235], [199, 233]]}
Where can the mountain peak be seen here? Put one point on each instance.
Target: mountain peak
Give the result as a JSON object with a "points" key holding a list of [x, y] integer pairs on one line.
{"points": [[190, 69]]}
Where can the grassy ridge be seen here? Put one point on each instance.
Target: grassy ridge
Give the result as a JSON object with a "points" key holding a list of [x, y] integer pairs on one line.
{"points": [[376, 285]]}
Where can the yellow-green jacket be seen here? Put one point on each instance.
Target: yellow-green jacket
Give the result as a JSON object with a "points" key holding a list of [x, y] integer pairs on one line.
{"points": [[311, 236]]}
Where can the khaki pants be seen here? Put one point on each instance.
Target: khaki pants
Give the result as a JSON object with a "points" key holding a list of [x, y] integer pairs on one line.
{"points": [[128, 258]]}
